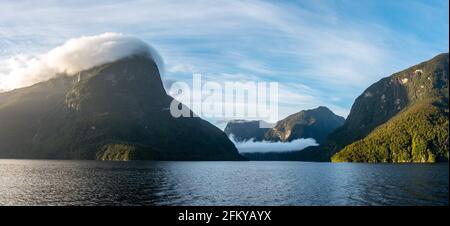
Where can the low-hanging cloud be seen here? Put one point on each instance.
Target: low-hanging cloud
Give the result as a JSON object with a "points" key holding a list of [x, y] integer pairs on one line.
{"points": [[73, 56], [268, 146]]}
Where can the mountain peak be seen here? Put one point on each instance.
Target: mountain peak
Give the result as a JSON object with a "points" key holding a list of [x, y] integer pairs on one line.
{"points": [[121, 85], [319, 109], [76, 55], [113, 111], [314, 123], [244, 130]]}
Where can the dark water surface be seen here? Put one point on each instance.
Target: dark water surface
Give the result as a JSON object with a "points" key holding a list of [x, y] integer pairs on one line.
{"points": [[50, 182]]}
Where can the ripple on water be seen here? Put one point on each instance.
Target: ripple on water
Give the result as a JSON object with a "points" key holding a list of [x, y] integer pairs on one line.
{"points": [[45, 182]]}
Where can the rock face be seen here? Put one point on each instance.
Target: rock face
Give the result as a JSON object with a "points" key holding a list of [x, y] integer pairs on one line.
{"points": [[242, 130], [401, 118], [116, 111], [315, 123]]}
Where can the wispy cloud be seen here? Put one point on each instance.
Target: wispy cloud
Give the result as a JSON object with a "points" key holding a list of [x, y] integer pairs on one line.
{"points": [[336, 48]]}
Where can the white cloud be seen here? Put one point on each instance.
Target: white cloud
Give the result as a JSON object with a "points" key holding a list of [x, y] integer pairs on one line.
{"points": [[311, 42], [267, 146], [74, 55]]}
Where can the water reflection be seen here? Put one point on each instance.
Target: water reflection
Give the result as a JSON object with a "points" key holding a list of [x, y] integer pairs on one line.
{"points": [[42, 182]]}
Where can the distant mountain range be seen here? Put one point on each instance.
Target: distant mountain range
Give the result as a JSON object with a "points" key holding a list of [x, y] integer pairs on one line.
{"points": [[401, 118], [120, 111], [315, 123], [243, 130], [115, 111]]}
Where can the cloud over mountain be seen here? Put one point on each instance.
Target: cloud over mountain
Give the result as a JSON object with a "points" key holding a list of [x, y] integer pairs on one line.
{"points": [[74, 55]]}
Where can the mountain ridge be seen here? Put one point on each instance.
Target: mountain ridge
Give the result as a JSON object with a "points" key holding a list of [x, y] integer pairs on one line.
{"points": [[422, 99], [314, 123], [400, 118], [243, 130], [115, 111]]}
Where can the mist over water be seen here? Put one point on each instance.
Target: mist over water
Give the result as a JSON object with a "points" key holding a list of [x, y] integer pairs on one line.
{"points": [[252, 146], [47, 182]]}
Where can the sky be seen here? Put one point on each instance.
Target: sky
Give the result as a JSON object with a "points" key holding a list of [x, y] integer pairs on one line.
{"points": [[321, 52]]}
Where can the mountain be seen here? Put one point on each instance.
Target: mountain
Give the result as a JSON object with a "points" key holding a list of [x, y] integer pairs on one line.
{"points": [[401, 118], [115, 111], [314, 123], [243, 130]]}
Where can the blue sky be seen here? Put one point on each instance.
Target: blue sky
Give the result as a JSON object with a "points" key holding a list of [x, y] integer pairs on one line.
{"points": [[322, 52]]}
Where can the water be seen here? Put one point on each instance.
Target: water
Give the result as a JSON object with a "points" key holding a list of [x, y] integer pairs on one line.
{"points": [[49, 182]]}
